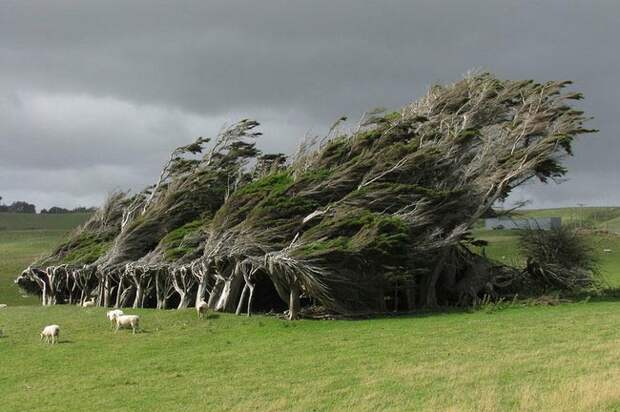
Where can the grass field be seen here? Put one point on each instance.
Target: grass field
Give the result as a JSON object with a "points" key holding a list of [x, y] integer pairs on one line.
{"points": [[23, 238], [560, 358], [52, 222], [506, 357]]}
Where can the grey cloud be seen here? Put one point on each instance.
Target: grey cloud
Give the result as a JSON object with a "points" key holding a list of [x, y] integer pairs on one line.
{"points": [[94, 85]]}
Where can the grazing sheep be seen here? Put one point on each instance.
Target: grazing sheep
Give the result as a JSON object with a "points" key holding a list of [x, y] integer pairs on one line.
{"points": [[89, 304], [3, 305], [125, 321], [201, 308], [50, 333], [111, 314]]}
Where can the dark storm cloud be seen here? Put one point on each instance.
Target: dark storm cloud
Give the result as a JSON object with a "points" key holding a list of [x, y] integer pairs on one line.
{"points": [[96, 93]]}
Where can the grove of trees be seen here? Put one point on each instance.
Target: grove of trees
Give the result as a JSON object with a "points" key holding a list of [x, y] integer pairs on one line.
{"points": [[365, 220]]}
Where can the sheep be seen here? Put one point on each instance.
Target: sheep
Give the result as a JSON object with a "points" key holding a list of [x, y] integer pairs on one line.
{"points": [[50, 333], [201, 308], [112, 314], [3, 305], [88, 304], [126, 321]]}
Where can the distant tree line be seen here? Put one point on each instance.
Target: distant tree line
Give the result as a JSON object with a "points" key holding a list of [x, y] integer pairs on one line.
{"points": [[18, 207], [24, 207], [58, 210]]}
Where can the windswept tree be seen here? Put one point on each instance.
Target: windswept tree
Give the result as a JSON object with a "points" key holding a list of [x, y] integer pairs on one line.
{"points": [[373, 219]]}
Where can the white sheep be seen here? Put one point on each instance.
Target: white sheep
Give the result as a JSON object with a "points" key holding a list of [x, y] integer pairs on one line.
{"points": [[111, 314], [50, 333], [201, 308], [125, 321], [89, 304], [3, 305]]}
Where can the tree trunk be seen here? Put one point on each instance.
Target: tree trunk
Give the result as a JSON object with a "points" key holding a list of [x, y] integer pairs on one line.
{"points": [[138, 299], [250, 300], [230, 290], [241, 299], [125, 296], [106, 292], [184, 302], [202, 288], [215, 293], [119, 293], [430, 295], [222, 299], [44, 295], [294, 303]]}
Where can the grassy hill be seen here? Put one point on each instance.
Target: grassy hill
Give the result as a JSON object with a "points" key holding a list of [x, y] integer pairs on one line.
{"points": [[23, 238]]}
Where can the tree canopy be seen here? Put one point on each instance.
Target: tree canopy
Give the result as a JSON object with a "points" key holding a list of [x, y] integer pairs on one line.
{"points": [[360, 221]]}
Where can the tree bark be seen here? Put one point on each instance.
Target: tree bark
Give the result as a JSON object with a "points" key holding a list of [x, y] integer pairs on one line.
{"points": [[215, 293], [294, 303], [138, 299], [250, 300], [106, 291], [202, 288], [184, 302], [241, 299]]}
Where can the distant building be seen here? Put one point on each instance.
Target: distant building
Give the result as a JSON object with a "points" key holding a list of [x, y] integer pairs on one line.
{"points": [[544, 223]]}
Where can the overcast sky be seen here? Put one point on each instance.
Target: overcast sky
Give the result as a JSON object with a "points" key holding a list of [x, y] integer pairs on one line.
{"points": [[94, 95]]}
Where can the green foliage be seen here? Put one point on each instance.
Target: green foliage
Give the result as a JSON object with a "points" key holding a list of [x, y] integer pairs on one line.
{"points": [[370, 234], [84, 249], [315, 176], [280, 205], [180, 241], [276, 182]]}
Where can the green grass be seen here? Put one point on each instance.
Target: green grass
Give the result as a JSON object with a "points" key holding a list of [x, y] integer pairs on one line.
{"points": [[25, 221], [565, 357], [29, 237]]}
